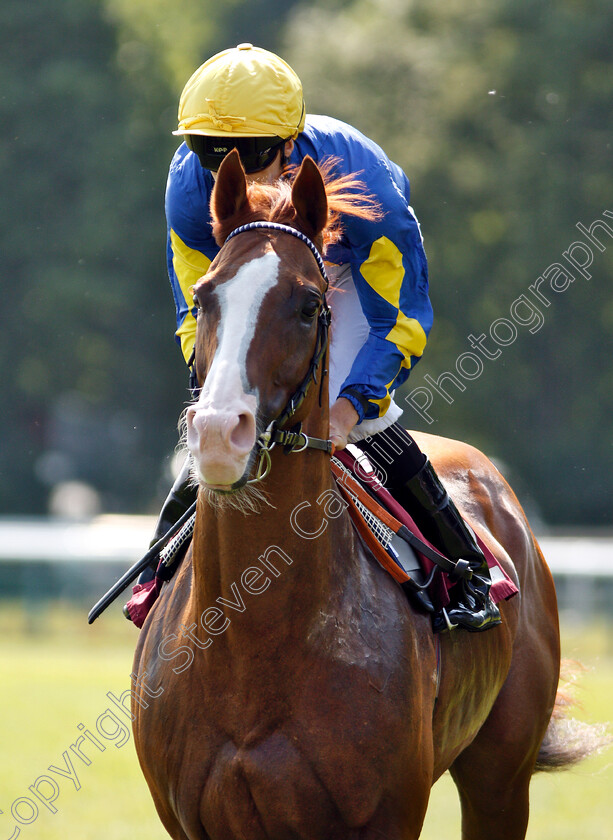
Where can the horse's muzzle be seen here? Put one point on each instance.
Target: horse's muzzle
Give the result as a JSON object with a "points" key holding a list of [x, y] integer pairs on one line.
{"points": [[221, 443]]}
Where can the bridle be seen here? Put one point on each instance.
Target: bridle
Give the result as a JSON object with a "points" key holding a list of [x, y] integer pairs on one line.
{"points": [[294, 439]]}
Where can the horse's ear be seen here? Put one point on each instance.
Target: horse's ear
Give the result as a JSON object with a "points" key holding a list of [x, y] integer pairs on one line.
{"points": [[229, 195], [309, 198]]}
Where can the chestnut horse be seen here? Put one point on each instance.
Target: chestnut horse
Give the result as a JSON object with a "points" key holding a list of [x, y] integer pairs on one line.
{"points": [[284, 687]]}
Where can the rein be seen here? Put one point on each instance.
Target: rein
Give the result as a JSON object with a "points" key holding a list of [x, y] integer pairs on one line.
{"points": [[292, 440]]}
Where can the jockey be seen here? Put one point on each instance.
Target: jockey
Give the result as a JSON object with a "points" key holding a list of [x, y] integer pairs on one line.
{"points": [[249, 99]]}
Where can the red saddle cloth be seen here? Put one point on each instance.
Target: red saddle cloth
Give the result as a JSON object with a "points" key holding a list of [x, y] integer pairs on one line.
{"points": [[502, 587], [144, 596]]}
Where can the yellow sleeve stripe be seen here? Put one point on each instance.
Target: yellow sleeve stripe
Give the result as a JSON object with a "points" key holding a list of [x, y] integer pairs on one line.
{"points": [[409, 336], [189, 266], [383, 270], [383, 404], [187, 336]]}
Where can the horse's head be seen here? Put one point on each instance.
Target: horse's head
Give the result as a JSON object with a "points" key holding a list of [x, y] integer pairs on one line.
{"points": [[257, 324]]}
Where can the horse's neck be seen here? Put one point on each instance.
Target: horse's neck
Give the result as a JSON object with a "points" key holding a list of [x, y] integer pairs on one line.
{"points": [[276, 566]]}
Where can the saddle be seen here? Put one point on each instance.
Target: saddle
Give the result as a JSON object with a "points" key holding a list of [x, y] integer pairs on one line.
{"points": [[392, 536], [387, 530]]}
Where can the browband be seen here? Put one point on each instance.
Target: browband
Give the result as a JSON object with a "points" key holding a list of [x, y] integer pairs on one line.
{"points": [[284, 229]]}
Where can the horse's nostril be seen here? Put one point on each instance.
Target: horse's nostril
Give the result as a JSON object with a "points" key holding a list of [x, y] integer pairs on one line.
{"points": [[243, 433]]}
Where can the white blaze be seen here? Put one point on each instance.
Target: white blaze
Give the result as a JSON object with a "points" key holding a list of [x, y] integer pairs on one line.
{"points": [[221, 426], [240, 300]]}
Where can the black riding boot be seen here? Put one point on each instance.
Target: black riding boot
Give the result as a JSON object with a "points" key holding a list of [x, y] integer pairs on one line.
{"points": [[411, 479], [181, 497], [440, 522]]}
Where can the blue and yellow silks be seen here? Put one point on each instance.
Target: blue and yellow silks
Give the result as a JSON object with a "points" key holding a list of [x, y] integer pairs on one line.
{"points": [[387, 258]]}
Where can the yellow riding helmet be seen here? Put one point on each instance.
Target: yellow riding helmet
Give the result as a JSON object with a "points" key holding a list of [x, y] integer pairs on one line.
{"points": [[242, 92]]}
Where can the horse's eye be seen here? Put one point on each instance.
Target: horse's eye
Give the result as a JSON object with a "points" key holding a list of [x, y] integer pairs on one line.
{"points": [[310, 310]]}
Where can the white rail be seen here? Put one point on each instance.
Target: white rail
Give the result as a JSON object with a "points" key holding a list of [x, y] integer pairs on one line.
{"points": [[124, 539]]}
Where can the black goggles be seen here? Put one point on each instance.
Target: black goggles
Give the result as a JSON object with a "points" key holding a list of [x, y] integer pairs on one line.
{"points": [[256, 153]]}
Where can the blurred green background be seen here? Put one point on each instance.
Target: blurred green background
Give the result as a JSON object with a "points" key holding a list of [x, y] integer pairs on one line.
{"points": [[501, 115]]}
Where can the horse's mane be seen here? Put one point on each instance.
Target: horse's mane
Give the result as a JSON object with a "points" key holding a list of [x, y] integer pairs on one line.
{"points": [[346, 196]]}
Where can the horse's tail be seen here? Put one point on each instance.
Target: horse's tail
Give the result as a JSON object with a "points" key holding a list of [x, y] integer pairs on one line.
{"points": [[567, 740]]}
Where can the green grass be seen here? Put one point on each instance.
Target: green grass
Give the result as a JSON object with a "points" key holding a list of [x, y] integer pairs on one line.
{"points": [[53, 680], [56, 673]]}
